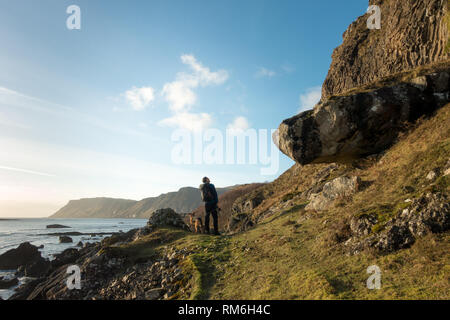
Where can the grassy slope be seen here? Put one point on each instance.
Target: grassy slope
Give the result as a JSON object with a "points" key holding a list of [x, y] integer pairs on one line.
{"points": [[285, 257]]}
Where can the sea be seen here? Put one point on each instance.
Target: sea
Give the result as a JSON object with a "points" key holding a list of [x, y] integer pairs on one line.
{"points": [[15, 231]]}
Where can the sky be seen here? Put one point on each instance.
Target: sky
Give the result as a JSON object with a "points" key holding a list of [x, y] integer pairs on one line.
{"points": [[143, 98]]}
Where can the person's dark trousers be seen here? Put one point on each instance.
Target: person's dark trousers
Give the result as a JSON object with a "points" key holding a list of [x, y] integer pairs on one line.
{"points": [[213, 212]]}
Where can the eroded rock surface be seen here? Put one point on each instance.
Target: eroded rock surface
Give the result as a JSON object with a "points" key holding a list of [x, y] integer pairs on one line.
{"points": [[332, 191], [413, 34]]}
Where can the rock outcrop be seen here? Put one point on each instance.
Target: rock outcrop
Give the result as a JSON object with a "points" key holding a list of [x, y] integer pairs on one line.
{"points": [[65, 239], [166, 217], [24, 255], [427, 214], [378, 81], [332, 191], [413, 34]]}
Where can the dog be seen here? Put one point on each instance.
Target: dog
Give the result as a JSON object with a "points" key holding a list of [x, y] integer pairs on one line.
{"points": [[196, 224]]}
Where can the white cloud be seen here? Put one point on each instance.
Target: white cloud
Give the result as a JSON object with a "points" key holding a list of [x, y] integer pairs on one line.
{"points": [[265, 73], [202, 74], [310, 98], [189, 121], [238, 125], [140, 98], [181, 96]]}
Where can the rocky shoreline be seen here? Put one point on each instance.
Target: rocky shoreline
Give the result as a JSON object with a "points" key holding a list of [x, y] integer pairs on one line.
{"points": [[105, 274]]}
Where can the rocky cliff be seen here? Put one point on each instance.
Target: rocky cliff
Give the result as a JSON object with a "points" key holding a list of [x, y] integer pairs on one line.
{"points": [[413, 34], [94, 208], [379, 81]]}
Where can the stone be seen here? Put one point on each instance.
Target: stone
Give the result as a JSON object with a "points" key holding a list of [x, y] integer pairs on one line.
{"points": [[446, 170], [166, 217], [432, 175], [362, 226], [395, 238], [332, 191], [25, 254], [65, 239], [56, 226]]}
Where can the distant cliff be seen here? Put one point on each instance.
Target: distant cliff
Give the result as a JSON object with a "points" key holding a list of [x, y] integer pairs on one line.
{"points": [[94, 208], [184, 200]]}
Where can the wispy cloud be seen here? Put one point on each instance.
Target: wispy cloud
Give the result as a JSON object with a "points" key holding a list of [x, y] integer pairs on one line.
{"points": [[26, 171], [15, 100], [180, 94], [310, 98], [140, 98], [287, 68], [265, 73]]}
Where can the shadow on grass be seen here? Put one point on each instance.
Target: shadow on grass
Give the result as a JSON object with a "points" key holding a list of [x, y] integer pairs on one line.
{"points": [[294, 209]]}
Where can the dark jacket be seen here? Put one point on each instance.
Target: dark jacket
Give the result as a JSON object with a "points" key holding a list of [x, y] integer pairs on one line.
{"points": [[211, 204]]}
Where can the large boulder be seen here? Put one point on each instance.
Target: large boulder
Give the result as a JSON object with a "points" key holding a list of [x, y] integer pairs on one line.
{"points": [[413, 34], [24, 255], [347, 127], [334, 190], [166, 217]]}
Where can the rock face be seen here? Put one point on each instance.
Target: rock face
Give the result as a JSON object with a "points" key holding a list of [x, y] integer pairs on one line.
{"points": [[332, 191], [360, 124], [24, 255], [413, 34], [377, 81]]}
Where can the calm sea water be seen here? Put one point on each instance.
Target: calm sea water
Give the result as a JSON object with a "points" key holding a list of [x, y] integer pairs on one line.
{"points": [[15, 231]]}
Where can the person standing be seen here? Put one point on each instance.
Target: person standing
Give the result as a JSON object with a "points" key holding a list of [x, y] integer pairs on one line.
{"points": [[209, 196]]}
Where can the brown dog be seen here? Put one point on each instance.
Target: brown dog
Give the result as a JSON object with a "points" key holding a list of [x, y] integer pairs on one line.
{"points": [[196, 224]]}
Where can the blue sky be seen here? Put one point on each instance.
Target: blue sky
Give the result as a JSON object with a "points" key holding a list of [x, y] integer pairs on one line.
{"points": [[91, 112]]}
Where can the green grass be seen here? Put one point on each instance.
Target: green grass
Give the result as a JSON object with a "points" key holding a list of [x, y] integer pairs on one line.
{"points": [[282, 260]]}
